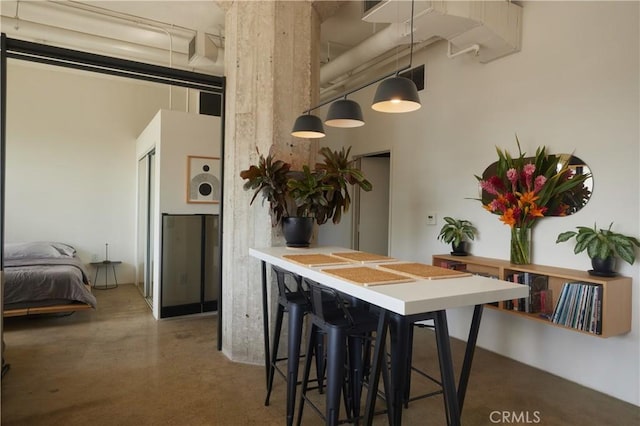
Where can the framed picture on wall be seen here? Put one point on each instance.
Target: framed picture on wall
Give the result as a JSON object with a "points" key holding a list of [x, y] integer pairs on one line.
{"points": [[203, 179]]}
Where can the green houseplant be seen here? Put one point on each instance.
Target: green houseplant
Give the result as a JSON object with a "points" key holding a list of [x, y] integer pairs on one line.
{"points": [[299, 198], [456, 232], [602, 246], [269, 177]]}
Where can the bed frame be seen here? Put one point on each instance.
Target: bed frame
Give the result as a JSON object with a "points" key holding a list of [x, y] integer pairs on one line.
{"points": [[53, 309]]}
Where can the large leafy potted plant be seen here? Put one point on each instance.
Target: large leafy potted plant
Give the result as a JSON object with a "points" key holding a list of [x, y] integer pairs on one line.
{"points": [[308, 191], [339, 173], [603, 246], [456, 232], [269, 177], [298, 199]]}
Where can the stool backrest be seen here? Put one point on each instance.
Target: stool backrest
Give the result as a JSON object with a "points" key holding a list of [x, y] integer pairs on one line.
{"points": [[283, 288], [325, 300]]}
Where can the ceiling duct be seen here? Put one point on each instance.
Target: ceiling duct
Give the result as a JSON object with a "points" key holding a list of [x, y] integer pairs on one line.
{"points": [[84, 27], [495, 26], [203, 50]]}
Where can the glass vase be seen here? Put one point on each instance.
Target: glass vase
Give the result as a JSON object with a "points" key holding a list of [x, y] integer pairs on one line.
{"points": [[520, 245]]}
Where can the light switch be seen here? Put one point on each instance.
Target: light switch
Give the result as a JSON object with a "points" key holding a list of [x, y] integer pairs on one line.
{"points": [[431, 219]]}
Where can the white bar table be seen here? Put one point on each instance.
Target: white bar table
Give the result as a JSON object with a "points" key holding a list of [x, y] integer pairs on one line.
{"points": [[407, 299]]}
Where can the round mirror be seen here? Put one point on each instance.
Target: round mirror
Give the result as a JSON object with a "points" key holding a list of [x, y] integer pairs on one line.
{"points": [[576, 198]]}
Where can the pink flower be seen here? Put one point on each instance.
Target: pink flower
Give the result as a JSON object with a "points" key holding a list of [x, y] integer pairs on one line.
{"points": [[539, 183], [496, 205], [512, 175], [492, 186], [528, 171]]}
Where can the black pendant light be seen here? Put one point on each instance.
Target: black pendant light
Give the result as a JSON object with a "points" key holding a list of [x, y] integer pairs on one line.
{"points": [[398, 94], [308, 126], [344, 113], [394, 94]]}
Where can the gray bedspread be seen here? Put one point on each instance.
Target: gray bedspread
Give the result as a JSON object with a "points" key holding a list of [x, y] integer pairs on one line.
{"points": [[41, 280]]}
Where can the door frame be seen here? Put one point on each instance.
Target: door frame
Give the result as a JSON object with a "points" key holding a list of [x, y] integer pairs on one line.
{"points": [[68, 58], [355, 228]]}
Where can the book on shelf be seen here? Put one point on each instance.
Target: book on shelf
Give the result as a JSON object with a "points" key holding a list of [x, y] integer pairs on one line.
{"points": [[453, 264], [580, 307], [540, 297], [542, 302], [515, 304]]}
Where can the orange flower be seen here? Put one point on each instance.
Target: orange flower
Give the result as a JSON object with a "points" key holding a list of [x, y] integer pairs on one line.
{"points": [[508, 218], [537, 211], [527, 198]]}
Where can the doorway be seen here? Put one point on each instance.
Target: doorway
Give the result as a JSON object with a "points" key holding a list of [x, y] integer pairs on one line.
{"points": [[371, 209], [35, 52]]}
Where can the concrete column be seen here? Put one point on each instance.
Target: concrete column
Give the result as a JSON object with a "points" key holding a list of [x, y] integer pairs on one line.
{"points": [[272, 71]]}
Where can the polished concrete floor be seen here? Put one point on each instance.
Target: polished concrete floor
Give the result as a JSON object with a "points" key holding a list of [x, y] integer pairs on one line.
{"points": [[118, 366]]}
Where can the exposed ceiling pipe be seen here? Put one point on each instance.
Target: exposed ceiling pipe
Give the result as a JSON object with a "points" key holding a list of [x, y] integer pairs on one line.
{"points": [[86, 17], [77, 40], [363, 72], [379, 43], [491, 29]]}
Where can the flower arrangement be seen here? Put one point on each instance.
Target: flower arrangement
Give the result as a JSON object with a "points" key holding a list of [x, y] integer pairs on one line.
{"points": [[524, 190]]}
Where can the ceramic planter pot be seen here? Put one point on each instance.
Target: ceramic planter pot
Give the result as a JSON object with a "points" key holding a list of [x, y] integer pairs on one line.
{"points": [[603, 267], [459, 249], [297, 231]]}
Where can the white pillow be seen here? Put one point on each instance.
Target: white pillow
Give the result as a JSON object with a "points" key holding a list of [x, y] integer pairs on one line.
{"points": [[37, 250]]}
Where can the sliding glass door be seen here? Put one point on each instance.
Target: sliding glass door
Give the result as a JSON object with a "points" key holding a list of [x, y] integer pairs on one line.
{"points": [[145, 242]]}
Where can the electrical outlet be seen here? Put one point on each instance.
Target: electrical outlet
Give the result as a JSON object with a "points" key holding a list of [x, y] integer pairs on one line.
{"points": [[431, 219]]}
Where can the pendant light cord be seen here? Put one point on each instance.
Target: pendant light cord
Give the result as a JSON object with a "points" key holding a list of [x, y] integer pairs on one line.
{"points": [[411, 43], [396, 73]]}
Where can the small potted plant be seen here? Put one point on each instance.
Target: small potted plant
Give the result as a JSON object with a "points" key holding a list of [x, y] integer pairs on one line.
{"points": [[602, 246], [456, 232]]}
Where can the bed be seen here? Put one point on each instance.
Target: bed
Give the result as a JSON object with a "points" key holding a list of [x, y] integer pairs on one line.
{"points": [[44, 277]]}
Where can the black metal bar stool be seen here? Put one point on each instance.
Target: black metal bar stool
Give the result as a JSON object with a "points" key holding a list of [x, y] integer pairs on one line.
{"points": [[347, 328], [407, 394], [401, 348], [297, 304]]}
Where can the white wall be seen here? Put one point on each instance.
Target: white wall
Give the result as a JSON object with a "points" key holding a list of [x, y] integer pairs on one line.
{"points": [[185, 134], [574, 87], [71, 159]]}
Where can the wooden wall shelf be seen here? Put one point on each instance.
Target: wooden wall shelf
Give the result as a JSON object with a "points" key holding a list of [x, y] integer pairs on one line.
{"points": [[616, 291]]}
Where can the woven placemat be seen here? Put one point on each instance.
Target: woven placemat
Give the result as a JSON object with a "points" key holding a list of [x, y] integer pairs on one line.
{"points": [[422, 270], [367, 276], [361, 256], [315, 259]]}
